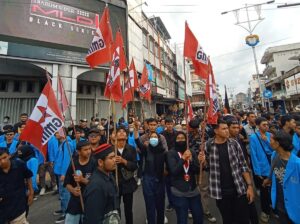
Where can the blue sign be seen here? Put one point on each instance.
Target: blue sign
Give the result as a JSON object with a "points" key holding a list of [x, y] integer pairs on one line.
{"points": [[268, 94]]}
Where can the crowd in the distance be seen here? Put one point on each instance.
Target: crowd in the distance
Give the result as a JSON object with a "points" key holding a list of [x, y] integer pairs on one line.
{"points": [[245, 157]]}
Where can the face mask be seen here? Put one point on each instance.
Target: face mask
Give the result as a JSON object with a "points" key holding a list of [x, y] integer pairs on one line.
{"points": [[153, 141], [180, 146], [131, 129]]}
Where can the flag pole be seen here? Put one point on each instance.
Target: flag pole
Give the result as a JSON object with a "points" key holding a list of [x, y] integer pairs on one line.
{"points": [[185, 105], [115, 140], [67, 142], [108, 120], [203, 128]]}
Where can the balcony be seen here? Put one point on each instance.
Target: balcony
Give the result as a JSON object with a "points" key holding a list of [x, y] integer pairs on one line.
{"points": [[198, 92], [269, 71]]}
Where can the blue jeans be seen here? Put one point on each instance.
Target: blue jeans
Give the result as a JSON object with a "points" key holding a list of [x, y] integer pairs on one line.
{"points": [[169, 193], [73, 219], [64, 196], [183, 204], [154, 196]]}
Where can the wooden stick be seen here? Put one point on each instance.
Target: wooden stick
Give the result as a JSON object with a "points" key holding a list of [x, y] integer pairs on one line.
{"points": [[202, 145], [116, 140], [108, 120]]}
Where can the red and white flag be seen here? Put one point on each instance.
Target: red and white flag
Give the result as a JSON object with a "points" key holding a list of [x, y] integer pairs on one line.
{"points": [[62, 98], [194, 51], [212, 97], [45, 120], [130, 85], [190, 110], [113, 84], [145, 86], [100, 49]]}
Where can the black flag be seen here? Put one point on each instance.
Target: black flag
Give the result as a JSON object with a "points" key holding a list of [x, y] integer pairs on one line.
{"points": [[227, 107]]}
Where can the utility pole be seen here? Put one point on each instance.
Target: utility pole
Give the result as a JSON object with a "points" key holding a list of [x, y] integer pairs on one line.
{"points": [[251, 40]]}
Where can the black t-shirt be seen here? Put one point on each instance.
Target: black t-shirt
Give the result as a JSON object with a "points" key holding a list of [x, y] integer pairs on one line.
{"points": [[279, 171], [13, 200], [74, 206], [227, 183]]}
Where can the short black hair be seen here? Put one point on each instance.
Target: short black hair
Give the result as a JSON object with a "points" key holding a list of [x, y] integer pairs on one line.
{"points": [[249, 113], [151, 119], [232, 122], [24, 114], [121, 127], [267, 116], [259, 120], [285, 118], [3, 150], [78, 129], [81, 144], [8, 127], [219, 122], [285, 140]]}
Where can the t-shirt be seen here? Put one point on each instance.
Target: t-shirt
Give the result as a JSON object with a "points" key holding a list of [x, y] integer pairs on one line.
{"points": [[74, 206], [227, 183], [13, 190], [279, 171]]}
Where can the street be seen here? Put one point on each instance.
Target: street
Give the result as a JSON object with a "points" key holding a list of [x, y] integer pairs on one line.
{"points": [[42, 209]]}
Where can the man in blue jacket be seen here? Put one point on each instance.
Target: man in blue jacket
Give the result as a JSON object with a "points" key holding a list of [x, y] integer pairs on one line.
{"points": [[261, 152], [285, 179], [296, 139], [9, 142]]}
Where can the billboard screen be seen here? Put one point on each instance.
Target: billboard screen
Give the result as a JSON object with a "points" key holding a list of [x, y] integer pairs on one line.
{"points": [[48, 22]]}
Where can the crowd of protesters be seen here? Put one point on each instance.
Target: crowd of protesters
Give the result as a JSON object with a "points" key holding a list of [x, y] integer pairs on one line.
{"points": [[245, 157]]}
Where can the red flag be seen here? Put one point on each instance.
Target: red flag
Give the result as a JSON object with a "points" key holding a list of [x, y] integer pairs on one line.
{"points": [[63, 101], [130, 85], [212, 97], [190, 110], [145, 86], [100, 49], [113, 84], [44, 121], [194, 51]]}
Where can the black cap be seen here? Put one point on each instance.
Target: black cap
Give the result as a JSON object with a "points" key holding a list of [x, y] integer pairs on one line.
{"points": [[83, 120], [94, 130], [102, 151]]}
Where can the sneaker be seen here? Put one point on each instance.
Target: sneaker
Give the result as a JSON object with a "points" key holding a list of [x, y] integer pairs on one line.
{"points": [[139, 182], [264, 217], [35, 198], [166, 220], [210, 217], [42, 192], [60, 219], [58, 212], [169, 208], [190, 215], [55, 188]]}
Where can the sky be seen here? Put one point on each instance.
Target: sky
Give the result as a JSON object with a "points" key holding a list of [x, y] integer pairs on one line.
{"points": [[222, 40]]}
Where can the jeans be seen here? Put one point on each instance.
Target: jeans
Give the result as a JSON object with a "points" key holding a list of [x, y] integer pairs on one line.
{"points": [[128, 201], [183, 204], [73, 219], [234, 209], [265, 196], [43, 168], [64, 196], [204, 192], [154, 196], [169, 193]]}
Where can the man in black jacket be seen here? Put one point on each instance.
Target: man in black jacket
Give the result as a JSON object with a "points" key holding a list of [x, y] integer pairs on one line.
{"points": [[100, 196], [127, 164]]}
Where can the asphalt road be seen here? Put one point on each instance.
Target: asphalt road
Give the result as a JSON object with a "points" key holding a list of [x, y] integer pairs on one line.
{"points": [[41, 212]]}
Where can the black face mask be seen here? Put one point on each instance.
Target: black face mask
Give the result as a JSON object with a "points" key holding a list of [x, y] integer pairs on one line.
{"points": [[180, 146]]}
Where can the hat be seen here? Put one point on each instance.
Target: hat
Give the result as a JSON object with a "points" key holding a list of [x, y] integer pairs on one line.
{"points": [[183, 122], [102, 151], [83, 120], [94, 130]]}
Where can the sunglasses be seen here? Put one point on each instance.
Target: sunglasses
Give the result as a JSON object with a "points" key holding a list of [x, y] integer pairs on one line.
{"points": [[93, 135]]}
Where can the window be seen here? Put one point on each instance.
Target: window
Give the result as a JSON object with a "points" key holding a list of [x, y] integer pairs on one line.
{"points": [[3, 85], [30, 87], [80, 89], [17, 86], [156, 51], [151, 45], [89, 90], [145, 40]]}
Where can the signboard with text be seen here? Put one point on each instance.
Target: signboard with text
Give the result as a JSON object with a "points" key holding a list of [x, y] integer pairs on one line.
{"points": [[292, 85]]}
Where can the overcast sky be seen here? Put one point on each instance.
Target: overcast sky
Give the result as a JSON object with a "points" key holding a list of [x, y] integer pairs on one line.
{"points": [[232, 59]]}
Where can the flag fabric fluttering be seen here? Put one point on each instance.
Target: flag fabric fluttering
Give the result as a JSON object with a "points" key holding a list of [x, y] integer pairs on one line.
{"points": [[101, 46], [194, 51], [62, 98], [145, 86], [130, 85], [45, 120], [212, 97], [113, 84], [226, 103], [190, 112]]}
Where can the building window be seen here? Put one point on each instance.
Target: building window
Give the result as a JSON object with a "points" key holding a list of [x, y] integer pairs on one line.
{"points": [[145, 40], [17, 86], [30, 87], [156, 51], [3, 85], [151, 45], [80, 89], [89, 90]]}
